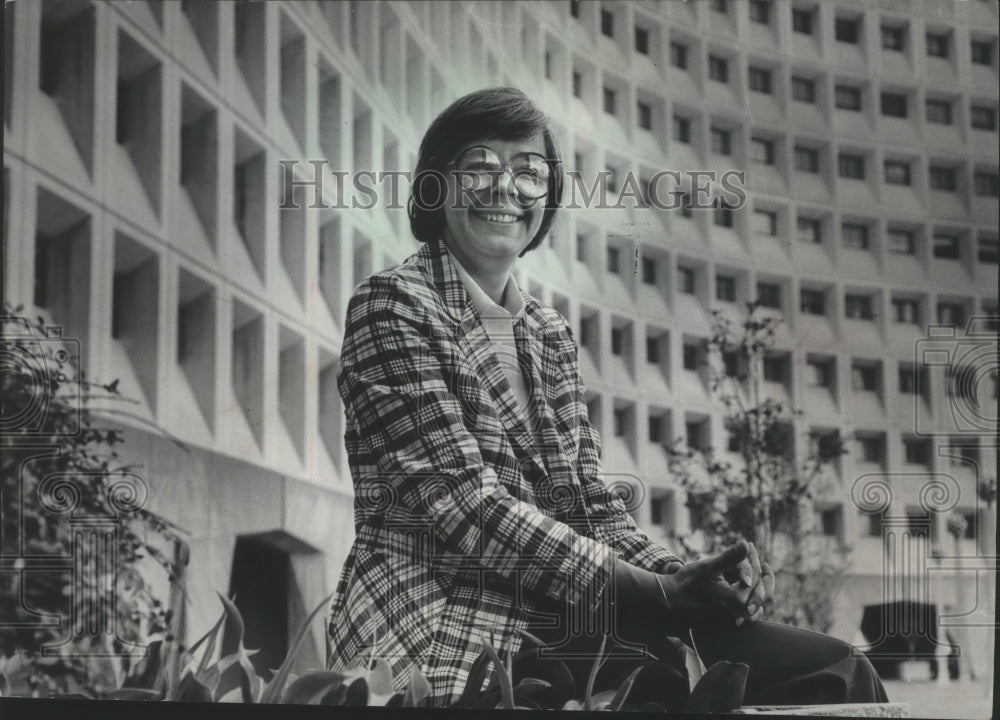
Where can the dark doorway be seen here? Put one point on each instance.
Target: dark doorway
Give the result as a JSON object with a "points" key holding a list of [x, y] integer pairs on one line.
{"points": [[260, 582]]}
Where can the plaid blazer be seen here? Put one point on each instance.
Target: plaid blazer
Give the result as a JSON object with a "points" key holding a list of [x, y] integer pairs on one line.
{"points": [[465, 515]]}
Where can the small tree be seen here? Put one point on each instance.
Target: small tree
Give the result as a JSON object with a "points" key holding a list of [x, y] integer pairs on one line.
{"points": [[767, 498], [58, 463]]}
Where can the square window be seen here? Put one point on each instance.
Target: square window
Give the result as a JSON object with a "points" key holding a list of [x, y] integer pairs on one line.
{"points": [[760, 80], [851, 166], [809, 230], [725, 288], [648, 270], [812, 302], [686, 276], [915, 451], [906, 311], [723, 216], [803, 89], [893, 38], [641, 40], [901, 242], [982, 52], [829, 522], [765, 222], [690, 356], [645, 116], [681, 129], [607, 23], [897, 172], [858, 307], [939, 111], [721, 143], [720, 6], [854, 236], [942, 178], [986, 184], [678, 55], [609, 101], [802, 21], [733, 443], [763, 151], [847, 30], [864, 378], [760, 11], [818, 373], [769, 295], [718, 68], [731, 364], [937, 45], [989, 250], [847, 97], [774, 368], [871, 448], [806, 159], [946, 246], [983, 118], [950, 314], [613, 254], [894, 105]]}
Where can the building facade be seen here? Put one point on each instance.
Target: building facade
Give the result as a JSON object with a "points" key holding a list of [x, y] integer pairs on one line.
{"points": [[147, 153]]}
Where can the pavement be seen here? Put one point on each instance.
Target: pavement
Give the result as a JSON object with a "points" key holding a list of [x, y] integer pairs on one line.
{"points": [[963, 699]]}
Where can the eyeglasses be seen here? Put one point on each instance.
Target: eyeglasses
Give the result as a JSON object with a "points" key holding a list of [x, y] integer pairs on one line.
{"points": [[479, 168]]}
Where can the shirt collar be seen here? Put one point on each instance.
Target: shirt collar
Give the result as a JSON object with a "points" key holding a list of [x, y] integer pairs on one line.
{"points": [[513, 301]]}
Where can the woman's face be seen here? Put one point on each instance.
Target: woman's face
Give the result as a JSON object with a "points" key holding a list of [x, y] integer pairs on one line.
{"points": [[492, 225]]}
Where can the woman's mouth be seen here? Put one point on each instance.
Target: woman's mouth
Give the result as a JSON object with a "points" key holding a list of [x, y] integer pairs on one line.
{"points": [[501, 218]]}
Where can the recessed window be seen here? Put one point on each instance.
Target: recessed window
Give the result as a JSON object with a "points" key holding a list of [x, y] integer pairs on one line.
{"points": [[983, 118], [723, 216], [718, 68], [774, 368], [851, 166], [620, 422], [803, 89], [574, 8], [760, 80], [989, 251], [802, 21], [577, 84], [656, 434], [893, 38], [765, 222], [648, 270], [854, 235], [858, 307], [806, 159], [864, 377], [769, 295], [950, 313], [725, 288], [812, 302], [763, 150], [617, 338], [721, 143], [847, 30], [894, 105], [907, 375], [897, 172], [901, 242], [611, 179], [678, 55], [731, 363], [818, 373], [613, 255], [916, 450], [652, 350], [760, 11], [982, 52], [690, 356], [906, 311], [871, 448], [847, 97], [939, 111], [942, 178], [581, 248], [686, 277], [607, 23], [720, 6], [642, 40], [830, 522], [937, 45], [681, 129], [986, 184], [946, 246], [809, 230], [685, 200], [609, 101], [645, 112]]}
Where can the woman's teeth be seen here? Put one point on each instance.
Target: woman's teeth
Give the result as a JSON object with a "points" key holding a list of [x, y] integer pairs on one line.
{"points": [[499, 217]]}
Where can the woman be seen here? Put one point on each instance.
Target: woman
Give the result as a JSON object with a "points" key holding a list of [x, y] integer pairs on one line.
{"points": [[479, 505]]}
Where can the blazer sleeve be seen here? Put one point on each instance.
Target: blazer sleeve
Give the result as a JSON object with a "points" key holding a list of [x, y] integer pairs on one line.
{"points": [[396, 394], [606, 512]]}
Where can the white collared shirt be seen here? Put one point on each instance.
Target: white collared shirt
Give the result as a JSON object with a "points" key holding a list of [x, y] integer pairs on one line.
{"points": [[498, 322]]}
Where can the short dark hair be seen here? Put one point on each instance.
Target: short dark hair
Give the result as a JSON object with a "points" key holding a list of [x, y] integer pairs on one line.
{"points": [[500, 113]]}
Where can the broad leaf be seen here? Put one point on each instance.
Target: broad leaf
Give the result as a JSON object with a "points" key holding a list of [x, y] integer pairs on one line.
{"points": [[720, 689], [273, 690], [191, 690], [311, 687], [474, 683], [572, 705], [379, 683], [692, 662], [417, 690], [148, 670], [503, 679], [623, 690], [357, 693], [598, 661]]}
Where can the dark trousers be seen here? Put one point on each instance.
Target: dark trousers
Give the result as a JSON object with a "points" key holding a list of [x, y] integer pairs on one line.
{"points": [[787, 665]]}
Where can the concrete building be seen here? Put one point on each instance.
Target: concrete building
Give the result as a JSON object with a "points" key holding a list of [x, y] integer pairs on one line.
{"points": [[143, 178]]}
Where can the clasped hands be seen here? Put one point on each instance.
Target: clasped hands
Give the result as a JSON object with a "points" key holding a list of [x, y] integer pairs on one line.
{"points": [[733, 584]]}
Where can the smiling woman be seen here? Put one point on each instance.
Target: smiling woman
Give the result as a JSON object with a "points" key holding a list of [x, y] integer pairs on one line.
{"points": [[480, 508]]}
